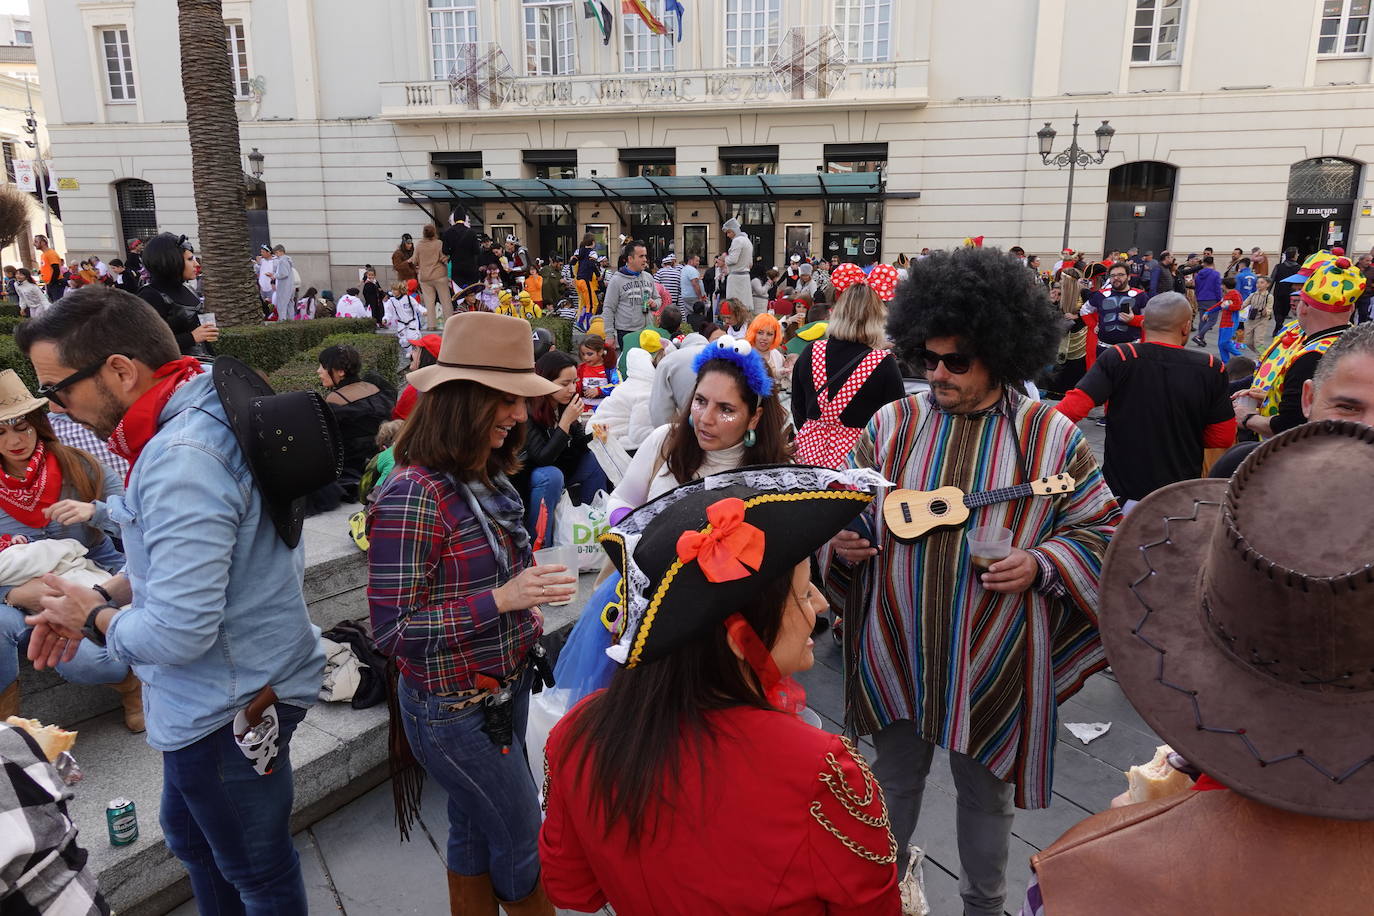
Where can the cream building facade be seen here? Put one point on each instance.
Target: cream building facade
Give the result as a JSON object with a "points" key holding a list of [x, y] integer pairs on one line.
{"points": [[864, 128]]}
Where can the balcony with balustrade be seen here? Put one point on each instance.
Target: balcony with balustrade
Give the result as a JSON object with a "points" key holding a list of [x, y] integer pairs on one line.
{"points": [[808, 70]]}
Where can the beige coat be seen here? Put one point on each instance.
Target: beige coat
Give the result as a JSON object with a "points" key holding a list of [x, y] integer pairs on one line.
{"points": [[429, 261]]}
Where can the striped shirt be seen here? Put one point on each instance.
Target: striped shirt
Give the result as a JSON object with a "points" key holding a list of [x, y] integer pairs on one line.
{"points": [[981, 672], [670, 275], [431, 574]]}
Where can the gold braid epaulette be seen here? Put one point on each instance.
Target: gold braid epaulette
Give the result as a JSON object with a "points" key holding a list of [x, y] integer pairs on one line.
{"points": [[548, 780], [855, 804]]}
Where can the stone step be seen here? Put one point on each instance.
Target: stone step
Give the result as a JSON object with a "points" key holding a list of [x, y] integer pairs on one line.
{"points": [[338, 753]]}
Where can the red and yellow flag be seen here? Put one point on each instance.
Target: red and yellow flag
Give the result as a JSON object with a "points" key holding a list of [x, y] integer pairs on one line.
{"points": [[637, 8]]}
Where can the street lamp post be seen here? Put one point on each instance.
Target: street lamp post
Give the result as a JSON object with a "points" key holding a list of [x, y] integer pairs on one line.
{"points": [[1074, 157]]}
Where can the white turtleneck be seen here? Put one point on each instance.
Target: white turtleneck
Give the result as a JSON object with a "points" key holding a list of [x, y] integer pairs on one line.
{"points": [[642, 483]]}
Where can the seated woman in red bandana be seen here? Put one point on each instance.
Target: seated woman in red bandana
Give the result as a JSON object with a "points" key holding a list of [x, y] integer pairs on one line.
{"points": [[52, 491], [690, 785]]}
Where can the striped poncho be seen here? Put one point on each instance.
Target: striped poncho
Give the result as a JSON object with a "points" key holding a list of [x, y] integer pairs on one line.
{"points": [[979, 672]]}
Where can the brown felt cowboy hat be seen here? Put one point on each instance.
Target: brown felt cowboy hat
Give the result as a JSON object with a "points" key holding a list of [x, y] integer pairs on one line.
{"points": [[1239, 619], [493, 350]]}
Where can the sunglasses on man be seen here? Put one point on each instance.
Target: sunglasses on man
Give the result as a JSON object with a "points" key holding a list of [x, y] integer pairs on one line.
{"points": [[956, 363], [52, 392]]}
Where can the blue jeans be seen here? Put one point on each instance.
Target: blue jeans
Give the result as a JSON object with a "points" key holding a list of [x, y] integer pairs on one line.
{"points": [[231, 828], [547, 485], [1206, 321], [493, 806], [90, 666], [1226, 345]]}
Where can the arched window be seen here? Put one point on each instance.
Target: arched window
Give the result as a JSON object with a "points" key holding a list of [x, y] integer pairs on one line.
{"points": [[1324, 178], [1142, 182], [137, 209]]}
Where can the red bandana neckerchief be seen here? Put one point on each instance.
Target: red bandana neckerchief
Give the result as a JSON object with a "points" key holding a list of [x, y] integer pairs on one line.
{"points": [[25, 498], [140, 421]]}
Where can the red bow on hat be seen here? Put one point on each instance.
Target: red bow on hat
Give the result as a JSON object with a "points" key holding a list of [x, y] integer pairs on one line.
{"points": [[727, 546], [883, 280]]}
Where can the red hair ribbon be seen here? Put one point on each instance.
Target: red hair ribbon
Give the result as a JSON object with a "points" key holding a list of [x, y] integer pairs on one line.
{"points": [[781, 692], [883, 279], [727, 547]]}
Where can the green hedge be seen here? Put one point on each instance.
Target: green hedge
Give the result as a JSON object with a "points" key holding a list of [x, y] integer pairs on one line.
{"points": [[12, 358], [8, 324], [9, 311], [380, 354], [270, 346], [562, 330]]}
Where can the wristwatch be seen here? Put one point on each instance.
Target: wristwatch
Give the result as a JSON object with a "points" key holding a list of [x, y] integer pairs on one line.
{"points": [[90, 630], [1245, 421]]}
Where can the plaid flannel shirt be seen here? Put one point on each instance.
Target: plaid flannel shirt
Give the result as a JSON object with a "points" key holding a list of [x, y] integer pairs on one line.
{"points": [[430, 578], [77, 436], [42, 870]]}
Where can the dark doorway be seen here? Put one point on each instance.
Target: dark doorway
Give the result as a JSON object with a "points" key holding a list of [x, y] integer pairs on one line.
{"points": [[1140, 199], [255, 203], [555, 231], [853, 231], [652, 225], [758, 223], [1321, 203], [137, 209]]}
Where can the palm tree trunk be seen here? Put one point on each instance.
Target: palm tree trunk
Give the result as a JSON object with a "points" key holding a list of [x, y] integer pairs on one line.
{"points": [[231, 291]]}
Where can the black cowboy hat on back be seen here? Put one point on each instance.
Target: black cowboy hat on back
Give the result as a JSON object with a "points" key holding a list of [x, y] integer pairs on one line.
{"points": [[290, 440]]}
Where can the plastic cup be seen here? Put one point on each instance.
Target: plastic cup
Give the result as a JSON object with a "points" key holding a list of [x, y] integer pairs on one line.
{"points": [[206, 318], [559, 556], [987, 544]]}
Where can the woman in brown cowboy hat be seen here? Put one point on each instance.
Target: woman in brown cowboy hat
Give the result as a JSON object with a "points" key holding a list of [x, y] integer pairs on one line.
{"points": [[51, 491], [690, 785], [453, 596], [1236, 616]]}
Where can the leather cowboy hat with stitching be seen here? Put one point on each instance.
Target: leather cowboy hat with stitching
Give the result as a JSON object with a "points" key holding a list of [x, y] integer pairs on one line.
{"points": [[1237, 618], [493, 350], [291, 441], [15, 399], [794, 508]]}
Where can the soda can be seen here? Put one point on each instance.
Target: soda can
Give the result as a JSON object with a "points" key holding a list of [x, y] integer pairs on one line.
{"points": [[122, 821]]}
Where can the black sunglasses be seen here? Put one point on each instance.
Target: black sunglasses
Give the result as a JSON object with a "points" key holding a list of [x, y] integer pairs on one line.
{"points": [[51, 391], [957, 363]]}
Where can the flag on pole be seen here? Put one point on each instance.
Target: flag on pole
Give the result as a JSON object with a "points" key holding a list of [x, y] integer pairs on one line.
{"points": [[594, 9], [675, 6], [637, 8]]}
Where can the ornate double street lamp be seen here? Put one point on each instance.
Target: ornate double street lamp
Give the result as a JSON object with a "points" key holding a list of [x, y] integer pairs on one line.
{"points": [[1074, 157]]}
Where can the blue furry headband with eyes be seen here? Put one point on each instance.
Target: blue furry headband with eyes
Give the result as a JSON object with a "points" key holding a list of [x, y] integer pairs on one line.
{"points": [[742, 354]]}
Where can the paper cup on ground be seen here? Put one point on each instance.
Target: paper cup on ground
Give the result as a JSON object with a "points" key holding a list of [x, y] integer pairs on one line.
{"points": [[565, 555], [987, 544]]}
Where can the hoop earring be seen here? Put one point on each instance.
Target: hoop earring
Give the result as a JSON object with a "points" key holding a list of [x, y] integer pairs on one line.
{"points": [[750, 439]]}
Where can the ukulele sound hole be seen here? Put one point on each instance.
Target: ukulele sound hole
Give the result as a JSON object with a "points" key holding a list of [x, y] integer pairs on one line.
{"points": [[938, 507]]}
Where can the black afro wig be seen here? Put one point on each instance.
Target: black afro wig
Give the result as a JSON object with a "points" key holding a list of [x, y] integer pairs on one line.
{"points": [[998, 309]]}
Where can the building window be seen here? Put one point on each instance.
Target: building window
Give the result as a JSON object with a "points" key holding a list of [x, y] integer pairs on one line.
{"points": [[865, 26], [23, 36], [854, 213], [1144, 181], [644, 51], [119, 64], [1324, 178], [236, 41], [1158, 30], [749, 160], [1345, 27], [855, 157], [550, 38], [548, 170], [452, 23], [751, 168], [9, 161], [137, 209], [751, 31]]}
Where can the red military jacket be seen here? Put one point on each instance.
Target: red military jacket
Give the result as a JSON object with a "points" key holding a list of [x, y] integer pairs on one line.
{"points": [[788, 820]]}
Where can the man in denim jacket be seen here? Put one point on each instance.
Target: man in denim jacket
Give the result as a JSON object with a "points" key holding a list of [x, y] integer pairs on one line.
{"points": [[215, 609]]}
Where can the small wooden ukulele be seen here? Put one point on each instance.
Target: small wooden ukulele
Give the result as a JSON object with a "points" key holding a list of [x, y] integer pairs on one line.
{"points": [[910, 514]]}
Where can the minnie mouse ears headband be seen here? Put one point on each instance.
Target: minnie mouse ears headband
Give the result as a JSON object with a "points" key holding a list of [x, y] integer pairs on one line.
{"points": [[742, 354], [883, 280]]}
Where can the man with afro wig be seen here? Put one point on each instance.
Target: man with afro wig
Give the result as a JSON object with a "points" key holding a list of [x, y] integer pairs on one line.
{"points": [[937, 653]]}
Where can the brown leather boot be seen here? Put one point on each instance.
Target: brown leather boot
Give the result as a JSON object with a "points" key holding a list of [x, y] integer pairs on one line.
{"points": [[131, 696], [536, 904], [471, 895], [9, 701]]}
